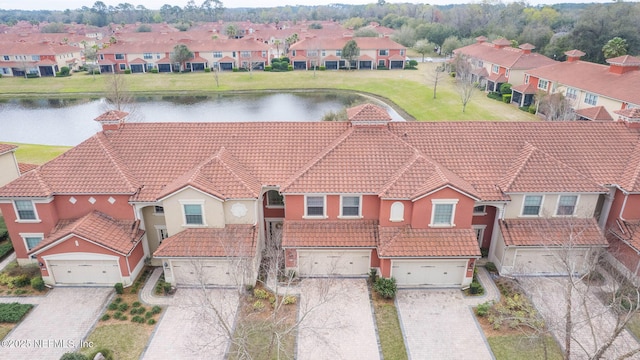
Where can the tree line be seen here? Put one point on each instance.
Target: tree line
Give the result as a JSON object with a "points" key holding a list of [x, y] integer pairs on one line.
{"points": [[551, 29]]}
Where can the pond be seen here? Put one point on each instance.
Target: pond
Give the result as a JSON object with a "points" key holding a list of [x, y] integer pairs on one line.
{"points": [[70, 121]]}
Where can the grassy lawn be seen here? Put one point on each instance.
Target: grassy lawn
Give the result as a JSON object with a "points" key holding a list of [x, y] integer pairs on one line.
{"points": [[521, 347], [390, 334], [5, 329], [634, 325], [3, 226], [127, 340], [37, 154], [408, 91]]}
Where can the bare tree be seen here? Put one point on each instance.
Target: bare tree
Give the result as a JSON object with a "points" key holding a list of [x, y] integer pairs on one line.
{"points": [[555, 107], [216, 75], [434, 78], [464, 79], [588, 308], [118, 97]]}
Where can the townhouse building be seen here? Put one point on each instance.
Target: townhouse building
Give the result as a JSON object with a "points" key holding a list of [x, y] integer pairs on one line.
{"points": [[25, 57], [415, 201], [595, 91], [496, 63]]}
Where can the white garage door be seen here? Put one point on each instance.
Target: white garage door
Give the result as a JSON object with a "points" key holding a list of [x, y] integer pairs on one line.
{"points": [[206, 272], [548, 262], [334, 262], [429, 272], [85, 271]]}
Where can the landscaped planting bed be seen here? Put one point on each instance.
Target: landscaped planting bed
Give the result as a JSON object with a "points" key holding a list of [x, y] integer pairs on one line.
{"points": [[513, 327], [18, 280], [13, 312], [390, 334]]}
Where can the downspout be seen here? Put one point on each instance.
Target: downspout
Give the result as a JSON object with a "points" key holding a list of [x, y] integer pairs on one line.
{"points": [[624, 204], [606, 208]]}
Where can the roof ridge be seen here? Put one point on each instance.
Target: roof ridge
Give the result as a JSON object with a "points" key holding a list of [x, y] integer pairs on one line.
{"points": [[119, 164], [529, 149], [400, 171], [224, 151], [322, 154], [632, 173]]}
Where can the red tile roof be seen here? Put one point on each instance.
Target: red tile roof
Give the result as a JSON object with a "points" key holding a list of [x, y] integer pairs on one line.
{"points": [[535, 171], [596, 113], [508, 57], [625, 60], [409, 242], [5, 148], [334, 233], [112, 115], [24, 168], [594, 78], [525, 88], [120, 236], [367, 112], [233, 240], [554, 232], [629, 232]]}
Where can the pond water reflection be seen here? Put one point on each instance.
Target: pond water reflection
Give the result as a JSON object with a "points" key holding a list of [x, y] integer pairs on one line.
{"points": [[70, 121]]}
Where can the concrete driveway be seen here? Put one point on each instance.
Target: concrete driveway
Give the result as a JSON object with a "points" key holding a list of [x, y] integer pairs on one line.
{"points": [[337, 320], [56, 325], [440, 324], [547, 295], [190, 327]]}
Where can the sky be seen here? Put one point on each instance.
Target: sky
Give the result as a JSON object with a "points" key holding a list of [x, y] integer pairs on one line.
{"points": [[156, 4]]}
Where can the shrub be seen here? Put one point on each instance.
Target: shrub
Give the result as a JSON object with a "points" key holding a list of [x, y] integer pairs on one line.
{"points": [[148, 314], [37, 283], [532, 109], [156, 309], [249, 287], [260, 294], [207, 70], [20, 292], [19, 281], [290, 68], [506, 98], [322, 68], [151, 322], [483, 309], [267, 68], [386, 287], [373, 275], [108, 354], [73, 356], [123, 307], [113, 306], [475, 287], [524, 108], [153, 71], [491, 267], [505, 88], [136, 304], [494, 95], [138, 319], [290, 299], [258, 305], [105, 317], [117, 315], [234, 69], [127, 71], [123, 317], [13, 312], [32, 75], [119, 289], [452, 74], [65, 71], [382, 68]]}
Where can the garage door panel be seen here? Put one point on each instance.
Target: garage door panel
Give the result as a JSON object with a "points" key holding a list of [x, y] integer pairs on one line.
{"points": [[429, 272], [549, 261], [334, 262], [85, 271], [204, 273]]}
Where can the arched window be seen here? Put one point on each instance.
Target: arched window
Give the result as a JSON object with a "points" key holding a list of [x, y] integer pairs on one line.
{"points": [[397, 211]]}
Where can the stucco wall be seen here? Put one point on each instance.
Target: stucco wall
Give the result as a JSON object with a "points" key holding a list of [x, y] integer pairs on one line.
{"points": [[422, 208], [213, 210], [118, 208], [8, 168], [240, 211], [151, 222], [585, 206]]}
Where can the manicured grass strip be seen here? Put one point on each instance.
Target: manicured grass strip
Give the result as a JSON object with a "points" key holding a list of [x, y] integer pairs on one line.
{"points": [[13, 312], [509, 347], [4, 330], [38, 154], [5, 247], [127, 341], [3, 225], [389, 331]]}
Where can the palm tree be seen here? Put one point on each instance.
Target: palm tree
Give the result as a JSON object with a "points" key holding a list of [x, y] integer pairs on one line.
{"points": [[181, 54], [614, 48]]}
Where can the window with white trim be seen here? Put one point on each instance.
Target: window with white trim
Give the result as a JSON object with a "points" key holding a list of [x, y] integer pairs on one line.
{"points": [[495, 69], [543, 84], [479, 230], [526, 78], [479, 210], [245, 54], [274, 199], [123, 66], [532, 205], [193, 213], [25, 210], [162, 234], [350, 206], [383, 52], [32, 240], [338, 52], [119, 56], [147, 56], [314, 206], [442, 212], [591, 99], [567, 205], [506, 73], [217, 54], [572, 93], [397, 212], [158, 210]]}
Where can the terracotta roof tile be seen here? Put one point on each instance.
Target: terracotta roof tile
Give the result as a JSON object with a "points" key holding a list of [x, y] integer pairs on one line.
{"points": [[5, 148], [528, 88], [629, 113], [596, 113], [629, 232], [409, 242], [564, 232], [112, 115], [25, 168], [335, 233], [625, 60], [120, 236], [367, 112], [233, 240], [508, 57], [535, 171]]}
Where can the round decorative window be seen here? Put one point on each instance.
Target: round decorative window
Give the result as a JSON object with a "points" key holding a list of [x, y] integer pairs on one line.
{"points": [[239, 210]]}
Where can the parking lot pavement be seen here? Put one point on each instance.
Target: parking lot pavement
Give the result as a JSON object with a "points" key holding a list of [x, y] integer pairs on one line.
{"points": [[338, 320], [57, 324], [190, 328], [547, 295], [439, 324]]}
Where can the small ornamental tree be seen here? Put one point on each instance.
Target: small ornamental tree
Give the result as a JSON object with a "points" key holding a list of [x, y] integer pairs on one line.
{"points": [[350, 52]]}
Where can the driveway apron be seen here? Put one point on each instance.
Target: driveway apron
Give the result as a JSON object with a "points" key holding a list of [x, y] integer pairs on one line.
{"points": [[190, 328], [337, 320], [57, 325], [439, 324]]}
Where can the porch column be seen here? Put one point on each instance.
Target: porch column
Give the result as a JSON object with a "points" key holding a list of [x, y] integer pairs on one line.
{"points": [[496, 230]]}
